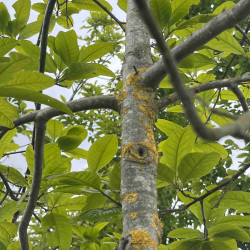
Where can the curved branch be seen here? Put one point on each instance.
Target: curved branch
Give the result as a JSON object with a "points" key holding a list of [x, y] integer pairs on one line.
{"points": [[110, 14], [240, 97], [237, 128], [93, 102], [40, 125], [165, 101], [226, 20]]}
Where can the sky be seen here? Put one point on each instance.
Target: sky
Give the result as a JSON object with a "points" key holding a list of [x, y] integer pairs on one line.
{"points": [[18, 161]]}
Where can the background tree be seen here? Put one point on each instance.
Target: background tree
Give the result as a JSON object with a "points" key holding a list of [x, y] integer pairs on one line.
{"points": [[138, 147]]}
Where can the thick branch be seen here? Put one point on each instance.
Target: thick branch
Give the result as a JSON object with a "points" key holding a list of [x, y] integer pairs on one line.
{"points": [[94, 102], [214, 27], [238, 128], [40, 128]]}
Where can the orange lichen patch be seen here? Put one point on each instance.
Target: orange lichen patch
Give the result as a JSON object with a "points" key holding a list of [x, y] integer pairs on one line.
{"points": [[147, 146], [130, 197], [125, 111], [134, 78], [141, 238], [148, 111], [133, 215], [122, 95], [156, 222]]}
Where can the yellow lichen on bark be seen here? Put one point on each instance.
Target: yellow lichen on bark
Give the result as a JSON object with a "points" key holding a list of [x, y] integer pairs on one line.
{"points": [[141, 238], [131, 197], [122, 95], [133, 215], [156, 221]]}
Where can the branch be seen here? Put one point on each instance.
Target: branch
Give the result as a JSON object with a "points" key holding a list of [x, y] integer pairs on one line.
{"points": [[8, 189], [226, 20], [204, 220], [209, 192], [40, 128], [240, 97], [110, 198], [110, 14], [165, 101], [94, 102], [245, 37], [238, 128]]}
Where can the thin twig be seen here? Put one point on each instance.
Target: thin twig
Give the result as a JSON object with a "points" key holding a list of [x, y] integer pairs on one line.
{"points": [[110, 14], [204, 220], [103, 193], [8, 189], [223, 184]]}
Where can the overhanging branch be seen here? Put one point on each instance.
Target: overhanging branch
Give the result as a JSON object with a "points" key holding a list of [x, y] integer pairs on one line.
{"points": [[226, 20], [94, 102], [237, 128]]}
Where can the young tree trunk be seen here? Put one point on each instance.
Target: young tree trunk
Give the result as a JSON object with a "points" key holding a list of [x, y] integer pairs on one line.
{"points": [[141, 225]]}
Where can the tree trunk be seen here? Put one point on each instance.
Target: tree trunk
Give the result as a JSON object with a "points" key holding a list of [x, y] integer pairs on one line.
{"points": [[141, 225]]}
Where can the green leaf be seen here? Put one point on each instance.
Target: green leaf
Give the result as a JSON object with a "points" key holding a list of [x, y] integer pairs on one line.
{"points": [[72, 138], [178, 144], [17, 62], [54, 162], [14, 175], [8, 231], [228, 95], [22, 8], [184, 233], [102, 152], [219, 244], [95, 51], [7, 114], [30, 30], [195, 165], [29, 155], [223, 7], [78, 153], [33, 51], [78, 70], [7, 210], [236, 220], [122, 5], [30, 80], [225, 42], [67, 47], [115, 177], [167, 127], [6, 44], [100, 214], [33, 96], [54, 128], [180, 8], [195, 208], [63, 231], [6, 140], [161, 10], [83, 178], [4, 18], [164, 173], [100, 70], [238, 200], [228, 230], [185, 245], [39, 7], [198, 61], [90, 5], [208, 146]]}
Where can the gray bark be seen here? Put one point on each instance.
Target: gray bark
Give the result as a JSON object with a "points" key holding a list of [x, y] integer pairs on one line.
{"points": [[141, 225]]}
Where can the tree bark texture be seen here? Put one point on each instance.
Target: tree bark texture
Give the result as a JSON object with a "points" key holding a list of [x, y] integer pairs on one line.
{"points": [[141, 224]]}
